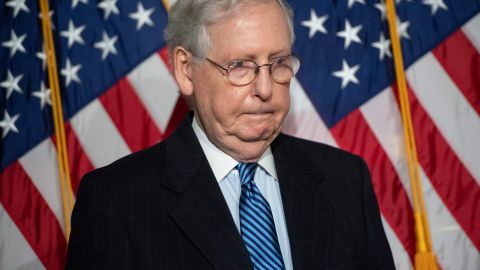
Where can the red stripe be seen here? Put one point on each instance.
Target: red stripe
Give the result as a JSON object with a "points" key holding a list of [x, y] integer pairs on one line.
{"points": [[462, 63], [130, 116], [78, 160], [32, 216], [353, 134], [453, 182], [166, 59]]}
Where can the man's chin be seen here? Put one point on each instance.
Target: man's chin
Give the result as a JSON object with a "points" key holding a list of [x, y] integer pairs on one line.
{"points": [[266, 135]]}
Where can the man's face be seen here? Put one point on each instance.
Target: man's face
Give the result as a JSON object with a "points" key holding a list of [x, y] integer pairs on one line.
{"points": [[243, 120]]}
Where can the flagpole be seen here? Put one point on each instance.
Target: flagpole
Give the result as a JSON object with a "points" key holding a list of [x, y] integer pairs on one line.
{"points": [[424, 256], [64, 170], [166, 4]]}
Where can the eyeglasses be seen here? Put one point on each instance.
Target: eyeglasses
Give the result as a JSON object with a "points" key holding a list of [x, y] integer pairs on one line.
{"points": [[242, 72]]}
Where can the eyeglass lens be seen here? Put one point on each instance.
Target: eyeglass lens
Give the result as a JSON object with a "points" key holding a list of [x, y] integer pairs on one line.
{"points": [[282, 69]]}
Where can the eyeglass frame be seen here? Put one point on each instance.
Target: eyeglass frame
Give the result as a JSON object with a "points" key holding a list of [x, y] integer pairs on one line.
{"points": [[257, 68]]}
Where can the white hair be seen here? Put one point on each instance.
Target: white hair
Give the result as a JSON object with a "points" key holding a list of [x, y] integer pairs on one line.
{"points": [[188, 21]]}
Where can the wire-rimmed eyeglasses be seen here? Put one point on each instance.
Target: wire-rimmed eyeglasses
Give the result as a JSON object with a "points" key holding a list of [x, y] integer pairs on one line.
{"points": [[242, 72]]}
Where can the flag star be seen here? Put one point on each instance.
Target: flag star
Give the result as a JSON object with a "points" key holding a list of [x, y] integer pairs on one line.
{"points": [[17, 5], [315, 24], [42, 56], [383, 10], [142, 16], [107, 45], [71, 73], [351, 2], [384, 46], [402, 28], [435, 5], [75, 3], [350, 34], [347, 74], [44, 95], [8, 124], [50, 14], [109, 7], [11, 84], [15, 43], [73, 34]]}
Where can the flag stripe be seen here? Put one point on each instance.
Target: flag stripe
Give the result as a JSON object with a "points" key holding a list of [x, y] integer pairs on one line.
{"points": [[353, 134], [303, 120], [21, 199], [98, 135], [449, 241], [452, 181], [462, 63], [46, 181], [388, 130], [471, 30], [16, 252], [165, 58], [79, 162], [448, 109], [129, 116], [400, 256], [156, 89]]}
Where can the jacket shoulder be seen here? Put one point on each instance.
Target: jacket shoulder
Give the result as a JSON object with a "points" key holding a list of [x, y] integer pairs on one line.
{"points": [[318, 150], [147, 161]]}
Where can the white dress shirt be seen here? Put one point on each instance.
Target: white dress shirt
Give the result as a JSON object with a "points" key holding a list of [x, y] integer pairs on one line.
{"points": [[223, 167]]}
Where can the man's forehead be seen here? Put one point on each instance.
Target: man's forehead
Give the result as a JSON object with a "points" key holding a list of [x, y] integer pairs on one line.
{"points": [[261, 28]]}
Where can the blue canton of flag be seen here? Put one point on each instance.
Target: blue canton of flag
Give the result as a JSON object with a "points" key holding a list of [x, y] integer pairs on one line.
{"points": [[96, 42]]}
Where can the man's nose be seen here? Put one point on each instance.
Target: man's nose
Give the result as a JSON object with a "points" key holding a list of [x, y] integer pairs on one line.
{"points": [[263, 83]]}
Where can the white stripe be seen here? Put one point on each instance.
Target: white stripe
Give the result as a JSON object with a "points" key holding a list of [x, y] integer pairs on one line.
{"points": [[15, 252], [383, 117], [303, 121], [98, 135], [41, 165], [156, 88], [449, 110], [452, 246], [454, 249], [472, 31], [400, 255]]}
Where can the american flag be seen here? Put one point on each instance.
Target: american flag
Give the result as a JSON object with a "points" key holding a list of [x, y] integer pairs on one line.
{"points": [[119, 97]]}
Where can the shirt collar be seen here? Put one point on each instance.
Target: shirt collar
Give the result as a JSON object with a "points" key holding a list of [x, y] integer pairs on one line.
{"points": [[221, 163]]}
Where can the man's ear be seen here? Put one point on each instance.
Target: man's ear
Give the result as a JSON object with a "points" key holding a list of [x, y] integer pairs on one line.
{"points": [[182, 61]]}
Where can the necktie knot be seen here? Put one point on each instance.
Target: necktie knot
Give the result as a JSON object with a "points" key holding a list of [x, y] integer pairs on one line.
{"points": [[246, 171]]}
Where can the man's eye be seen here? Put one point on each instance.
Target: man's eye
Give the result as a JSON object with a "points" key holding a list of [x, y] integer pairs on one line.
{"points": [[280, 60], [237, 63]]}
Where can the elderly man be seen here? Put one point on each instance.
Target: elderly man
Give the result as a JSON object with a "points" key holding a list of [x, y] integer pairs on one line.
{"points": [[227, 190]]}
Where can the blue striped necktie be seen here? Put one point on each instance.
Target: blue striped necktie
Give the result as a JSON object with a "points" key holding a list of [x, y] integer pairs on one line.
{"points": [[256, 223]]}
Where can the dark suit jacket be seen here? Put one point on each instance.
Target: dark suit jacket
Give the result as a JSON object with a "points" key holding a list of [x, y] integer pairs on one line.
{"points": [[161, 208]]}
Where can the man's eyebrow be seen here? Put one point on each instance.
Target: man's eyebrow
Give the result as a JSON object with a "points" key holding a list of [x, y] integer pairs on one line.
{"points": [[253, 57], [281, 52]]}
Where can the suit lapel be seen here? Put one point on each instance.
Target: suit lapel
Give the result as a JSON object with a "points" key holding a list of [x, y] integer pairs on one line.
{"points": [[202, 213], [306, 206]]}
